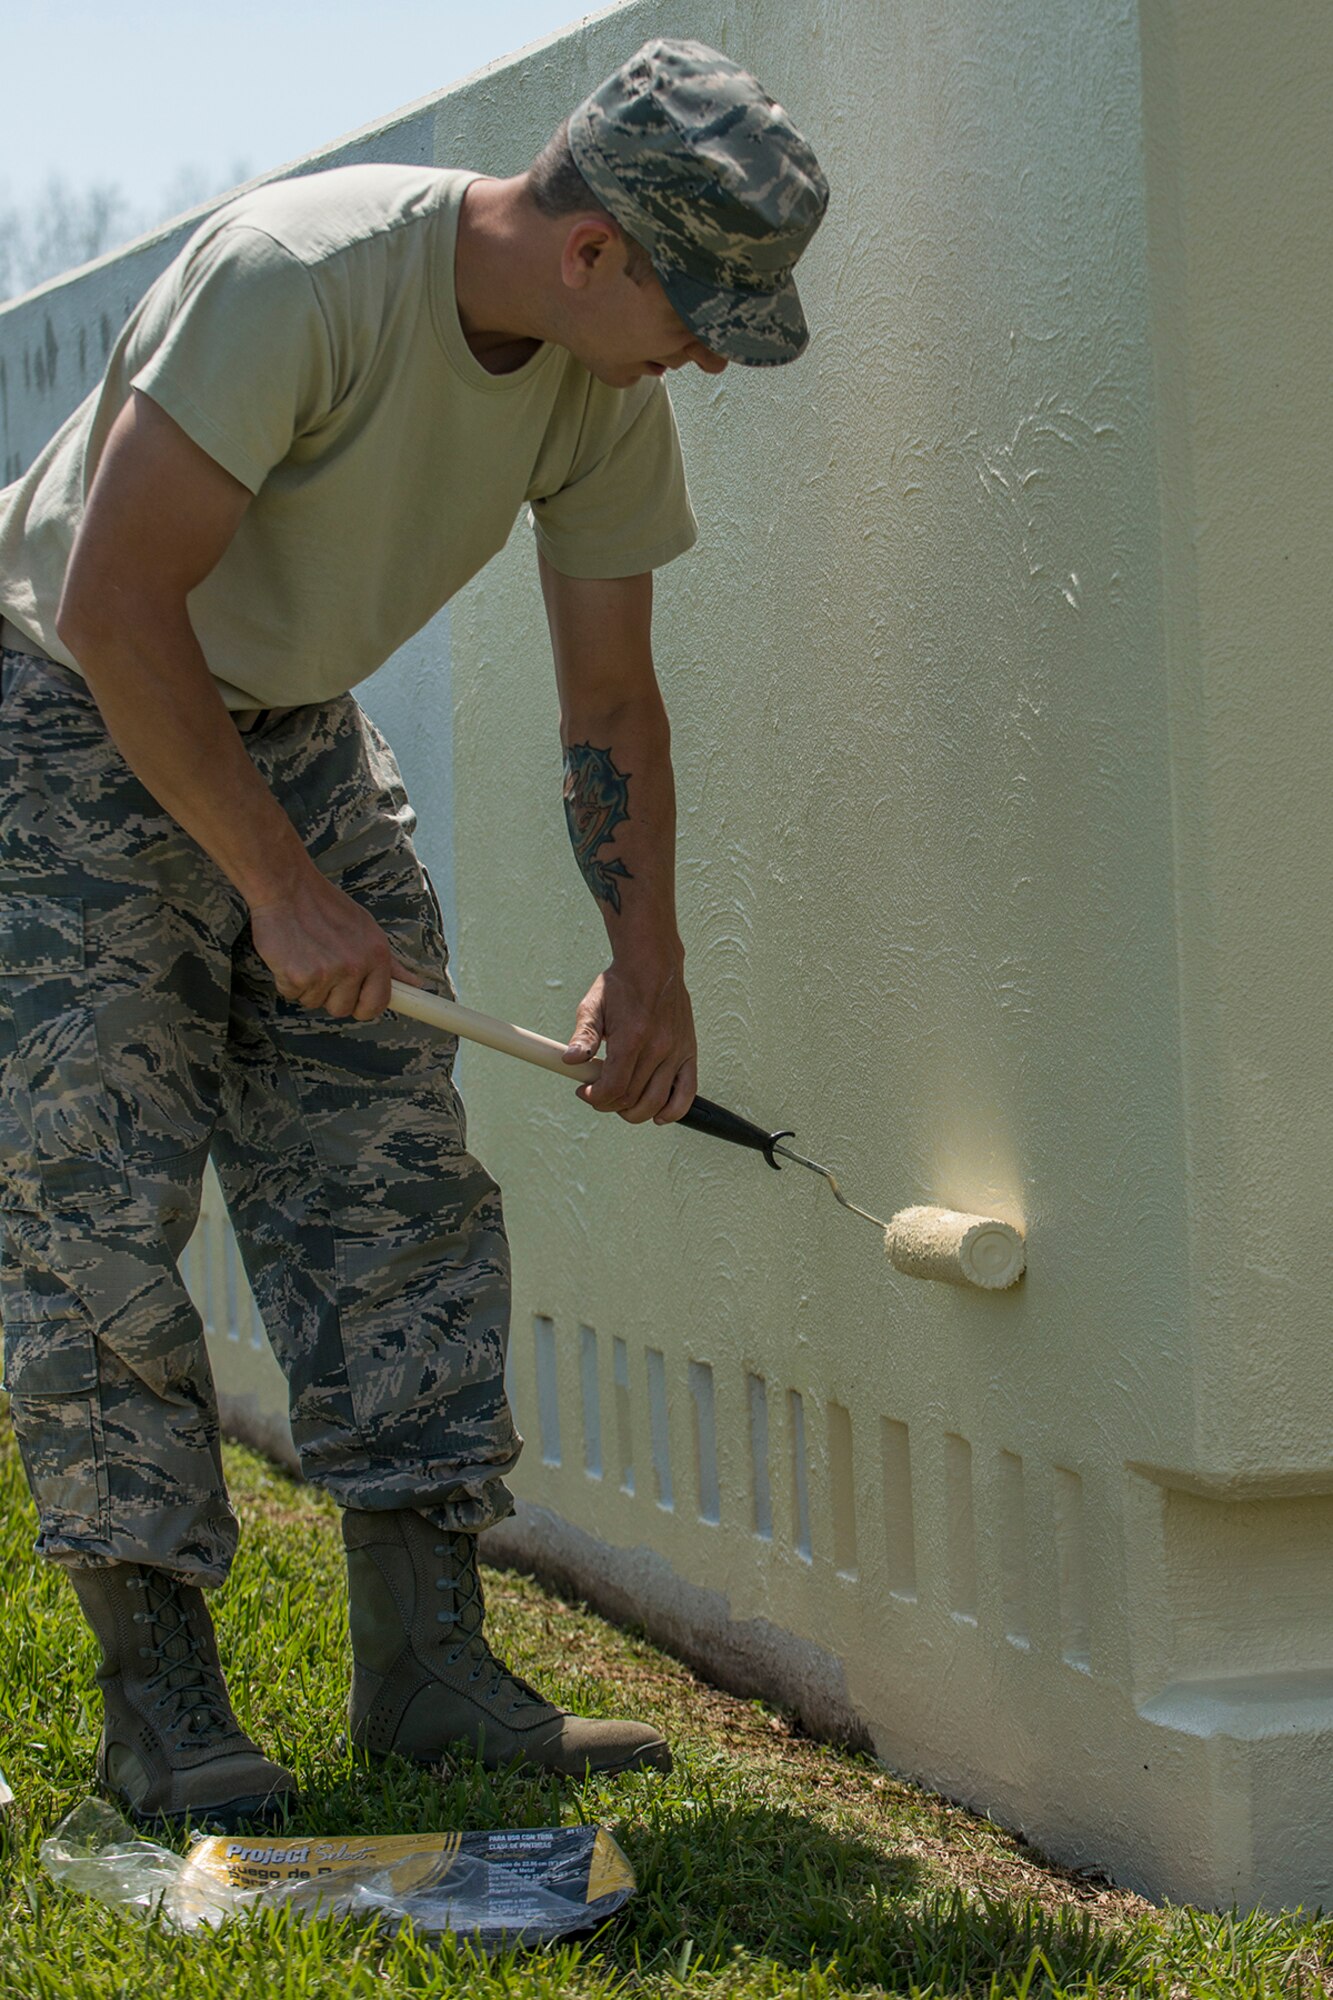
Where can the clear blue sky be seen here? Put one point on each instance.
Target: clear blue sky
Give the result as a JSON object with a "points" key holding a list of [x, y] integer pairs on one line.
{"points": [[132, 91]]}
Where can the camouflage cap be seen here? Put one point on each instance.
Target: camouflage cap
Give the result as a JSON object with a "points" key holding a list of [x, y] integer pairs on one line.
{"points": [[696, 163]]}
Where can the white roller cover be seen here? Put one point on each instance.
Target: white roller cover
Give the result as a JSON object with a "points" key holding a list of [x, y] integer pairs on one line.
{"points": [[964, 1249]]}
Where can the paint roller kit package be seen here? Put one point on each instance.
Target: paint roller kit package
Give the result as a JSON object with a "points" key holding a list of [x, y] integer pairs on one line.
{"points": [[512, 1886]]}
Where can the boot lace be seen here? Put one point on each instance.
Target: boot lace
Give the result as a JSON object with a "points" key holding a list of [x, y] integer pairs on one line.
{"points": [[186, 1684], [460, 1576]]}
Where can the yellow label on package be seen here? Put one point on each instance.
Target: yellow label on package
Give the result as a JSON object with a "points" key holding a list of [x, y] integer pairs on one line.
{"points": [[609, 1874], [410, 1861]]}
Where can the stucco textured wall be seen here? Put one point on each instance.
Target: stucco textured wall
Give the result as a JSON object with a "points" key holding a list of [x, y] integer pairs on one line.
{"points": [[1005, 838], [1240, 180]]}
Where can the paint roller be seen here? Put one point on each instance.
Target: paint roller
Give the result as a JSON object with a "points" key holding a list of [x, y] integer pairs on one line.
{"points": [[921, 1242]]}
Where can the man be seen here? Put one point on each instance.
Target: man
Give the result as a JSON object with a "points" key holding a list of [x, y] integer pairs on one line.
{"points": [[318, 423]]}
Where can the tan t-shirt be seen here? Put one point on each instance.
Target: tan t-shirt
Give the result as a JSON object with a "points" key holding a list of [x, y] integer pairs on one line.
{"points": [[308, 339]]}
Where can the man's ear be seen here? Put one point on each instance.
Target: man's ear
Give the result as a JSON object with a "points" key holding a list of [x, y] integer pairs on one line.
{"points": [[591, 252]]}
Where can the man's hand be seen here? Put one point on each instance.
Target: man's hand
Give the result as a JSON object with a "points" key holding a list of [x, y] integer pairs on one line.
{"points": [[325, 951], [651, 1068]]}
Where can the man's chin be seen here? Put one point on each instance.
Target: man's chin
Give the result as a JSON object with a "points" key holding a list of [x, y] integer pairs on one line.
{"points": [[623, 374]]}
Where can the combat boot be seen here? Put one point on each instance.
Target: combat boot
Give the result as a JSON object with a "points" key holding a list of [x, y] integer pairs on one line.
{"points": [[171, 1747], [425, 1681]]}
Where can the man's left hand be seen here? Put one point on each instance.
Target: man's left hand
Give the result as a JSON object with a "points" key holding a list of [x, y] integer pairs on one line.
{"points": [[651, 1062]]}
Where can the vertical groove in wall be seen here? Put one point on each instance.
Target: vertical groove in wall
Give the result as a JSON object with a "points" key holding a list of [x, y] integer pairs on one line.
{"points": [[193, 1269], [842, 1480], [548, 1394], [215, 1263], [960, 1527], [511, 1375], [1071, 1569], [761, 1496], [1013, 1550], [660, 1429], [624, 1428], [800, 1477], [899, 1532], [706, 1485], [592, 1403], [252, 1326], [230, 1264]]}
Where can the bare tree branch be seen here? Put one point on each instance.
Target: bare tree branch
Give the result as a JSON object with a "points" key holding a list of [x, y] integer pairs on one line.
{"points": [[65, 226]]}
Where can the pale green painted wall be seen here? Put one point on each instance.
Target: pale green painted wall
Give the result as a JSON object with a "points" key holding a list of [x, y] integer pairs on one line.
{"points": [[1241, 241]]}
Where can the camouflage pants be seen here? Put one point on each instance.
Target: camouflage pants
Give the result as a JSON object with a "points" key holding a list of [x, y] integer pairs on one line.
{"points": [[140, 1031]]}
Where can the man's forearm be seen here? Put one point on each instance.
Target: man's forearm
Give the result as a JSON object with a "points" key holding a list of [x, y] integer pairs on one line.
{"points": [[163, 711], [621, 803], [620, 806], [160, 516]]}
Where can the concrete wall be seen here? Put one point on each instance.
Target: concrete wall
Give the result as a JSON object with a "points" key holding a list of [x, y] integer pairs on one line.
{"points": [[1005, 838]]}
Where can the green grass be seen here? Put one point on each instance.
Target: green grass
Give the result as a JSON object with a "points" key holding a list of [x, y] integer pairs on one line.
{"points": [[767, 1864]]}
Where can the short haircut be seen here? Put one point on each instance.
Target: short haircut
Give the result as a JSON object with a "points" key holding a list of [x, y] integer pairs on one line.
{"points": [[558, 188]]}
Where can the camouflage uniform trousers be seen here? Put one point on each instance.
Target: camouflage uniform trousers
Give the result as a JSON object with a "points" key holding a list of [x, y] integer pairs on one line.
{"points": [[140, 1030]]}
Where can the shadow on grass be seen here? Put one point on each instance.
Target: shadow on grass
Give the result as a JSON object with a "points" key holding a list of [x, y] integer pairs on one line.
{"points": [[399, 1797], [725, 1884], [767, 1883]]}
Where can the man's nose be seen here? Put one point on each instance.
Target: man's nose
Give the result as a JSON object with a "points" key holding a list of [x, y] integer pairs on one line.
{"points": [[704, 357]]}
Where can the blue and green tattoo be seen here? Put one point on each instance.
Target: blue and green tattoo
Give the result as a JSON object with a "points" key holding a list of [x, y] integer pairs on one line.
{"points": [[596, 803]]}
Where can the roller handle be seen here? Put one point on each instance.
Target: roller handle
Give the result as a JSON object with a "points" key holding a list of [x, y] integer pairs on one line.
{"points": [[719, 1123], [452, 1019]]}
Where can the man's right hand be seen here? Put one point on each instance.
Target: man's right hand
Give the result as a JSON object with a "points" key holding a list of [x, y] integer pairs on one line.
{"points": [[325, 951]]}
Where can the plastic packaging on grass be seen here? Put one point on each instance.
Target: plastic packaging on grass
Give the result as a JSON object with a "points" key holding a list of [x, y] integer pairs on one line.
{"points": [[513, 1886]]}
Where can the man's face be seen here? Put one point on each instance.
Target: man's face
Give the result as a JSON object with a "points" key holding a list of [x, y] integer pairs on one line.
{"points": [[633, 331]]}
